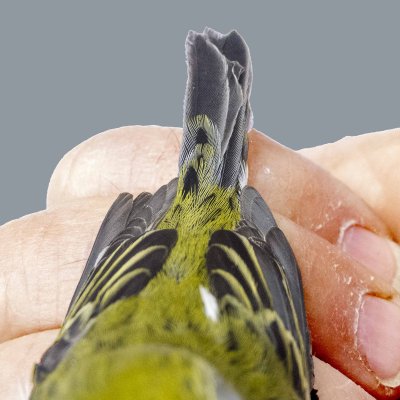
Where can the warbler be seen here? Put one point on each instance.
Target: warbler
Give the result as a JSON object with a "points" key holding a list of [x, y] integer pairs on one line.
{"points": [[192, 292]]}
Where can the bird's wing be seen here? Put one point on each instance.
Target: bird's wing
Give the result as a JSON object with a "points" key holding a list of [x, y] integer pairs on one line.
{"points": [[256, 215], [126, 220], [255, 266], [126, 255]]}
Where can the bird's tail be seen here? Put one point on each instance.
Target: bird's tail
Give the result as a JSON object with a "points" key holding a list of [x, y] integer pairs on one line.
{"points": [[217, 113]]}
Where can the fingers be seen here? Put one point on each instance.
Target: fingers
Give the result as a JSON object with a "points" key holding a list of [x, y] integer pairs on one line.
{"points": [[311, 197], [16, 378], [43, 255], [131, 159], [304, 192], [368, 164], [331, 384], [354, 317]]}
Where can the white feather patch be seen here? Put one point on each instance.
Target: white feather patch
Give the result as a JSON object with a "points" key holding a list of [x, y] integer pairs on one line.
{"points": [[100, 256], [210, 304]]}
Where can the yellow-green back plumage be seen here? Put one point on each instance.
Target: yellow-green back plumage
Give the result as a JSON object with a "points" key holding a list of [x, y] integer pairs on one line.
{"points": [[193, 292]]}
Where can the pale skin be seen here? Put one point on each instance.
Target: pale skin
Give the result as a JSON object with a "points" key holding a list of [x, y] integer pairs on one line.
{"points": [[43, 254]]}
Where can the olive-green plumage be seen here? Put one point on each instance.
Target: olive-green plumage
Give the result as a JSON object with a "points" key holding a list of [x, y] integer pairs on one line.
{"points": [[193, 292]]}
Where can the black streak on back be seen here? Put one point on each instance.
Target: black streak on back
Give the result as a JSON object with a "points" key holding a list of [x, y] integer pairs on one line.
{"points": [[190, 182]]}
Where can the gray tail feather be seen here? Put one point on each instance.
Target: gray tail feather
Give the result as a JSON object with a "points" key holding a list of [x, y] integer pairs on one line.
{"points": [[218, 86]]}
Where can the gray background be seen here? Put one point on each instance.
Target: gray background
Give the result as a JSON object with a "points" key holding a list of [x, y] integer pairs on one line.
{"points": [[71, 69]]}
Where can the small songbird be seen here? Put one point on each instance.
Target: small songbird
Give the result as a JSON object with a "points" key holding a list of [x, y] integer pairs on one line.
{"points": [[192, 292]]}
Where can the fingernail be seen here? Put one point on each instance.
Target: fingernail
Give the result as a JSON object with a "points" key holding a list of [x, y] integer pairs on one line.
{"points": [[373, 251], [378, 336]]}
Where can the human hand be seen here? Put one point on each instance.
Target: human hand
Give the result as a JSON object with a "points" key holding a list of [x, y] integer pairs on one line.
{"points": [[43, 254]]}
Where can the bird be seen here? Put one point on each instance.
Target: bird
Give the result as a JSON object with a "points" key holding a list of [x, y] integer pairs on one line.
{"points": [[192, 292]]}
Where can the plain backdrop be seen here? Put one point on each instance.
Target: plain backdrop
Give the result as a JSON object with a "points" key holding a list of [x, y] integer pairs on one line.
{"points": [[68, 70]]}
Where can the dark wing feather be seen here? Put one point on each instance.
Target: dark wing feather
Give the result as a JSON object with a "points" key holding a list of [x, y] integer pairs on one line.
{"points": [[113, 223], [282, 253], [257, 216], [255, 213], [126, 255], [255, 265], [127, 218]]}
